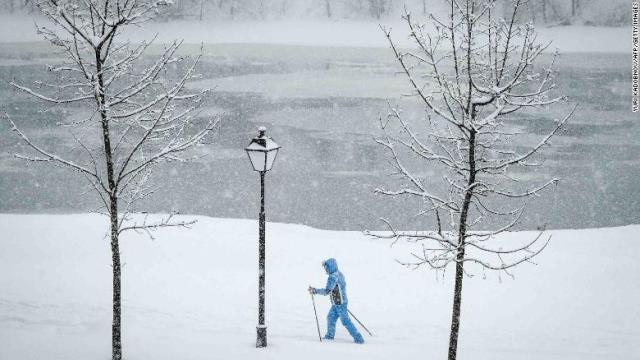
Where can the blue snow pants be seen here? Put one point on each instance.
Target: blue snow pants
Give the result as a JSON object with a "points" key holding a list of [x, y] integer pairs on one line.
{"points": [[340, 311]]}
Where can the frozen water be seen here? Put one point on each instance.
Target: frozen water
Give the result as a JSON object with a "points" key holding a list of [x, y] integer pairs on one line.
{"points": [[322, 104]]}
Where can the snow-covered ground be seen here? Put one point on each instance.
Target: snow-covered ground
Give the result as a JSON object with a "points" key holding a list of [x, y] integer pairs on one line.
{"points": [[346, 33], [192, 294]]}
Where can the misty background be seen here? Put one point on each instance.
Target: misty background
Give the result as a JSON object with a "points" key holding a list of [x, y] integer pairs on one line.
{"points": [[548, 12]]}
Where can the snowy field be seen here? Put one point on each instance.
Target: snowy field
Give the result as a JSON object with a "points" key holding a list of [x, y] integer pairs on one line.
{"points": [[192, 294], [347, 33]]}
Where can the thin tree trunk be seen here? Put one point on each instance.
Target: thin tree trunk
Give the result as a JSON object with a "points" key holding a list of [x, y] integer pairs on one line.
{"points": [[116, 339], [373, 9], [116, 336], [462, 232], [327, 4], [457, 302], [263, 14]]}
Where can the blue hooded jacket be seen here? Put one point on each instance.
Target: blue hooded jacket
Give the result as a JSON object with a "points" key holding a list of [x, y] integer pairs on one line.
{"points": [[336, 285]]}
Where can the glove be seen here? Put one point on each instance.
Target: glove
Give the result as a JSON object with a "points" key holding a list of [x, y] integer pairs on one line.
{"points": [[312, 290]]}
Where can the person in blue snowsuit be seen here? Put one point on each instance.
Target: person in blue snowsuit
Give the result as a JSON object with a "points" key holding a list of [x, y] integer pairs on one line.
{"points": [[337, 289]]}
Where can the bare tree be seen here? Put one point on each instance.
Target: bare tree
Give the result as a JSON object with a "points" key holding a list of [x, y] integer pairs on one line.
{"points": [[284, 5], [201, 14], [327, 6], [378, 8], [471, 72], [137, 118], [16, 5]]}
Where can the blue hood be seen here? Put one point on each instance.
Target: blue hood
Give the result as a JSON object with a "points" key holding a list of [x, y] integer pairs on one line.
{"points": [[330, 265]]}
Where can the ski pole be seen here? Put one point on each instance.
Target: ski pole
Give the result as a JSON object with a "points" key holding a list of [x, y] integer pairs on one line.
{"points": [[361, 324], [316, 314]]}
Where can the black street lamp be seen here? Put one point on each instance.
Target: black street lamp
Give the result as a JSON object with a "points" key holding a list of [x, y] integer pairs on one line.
{"points": [[262, 153]]}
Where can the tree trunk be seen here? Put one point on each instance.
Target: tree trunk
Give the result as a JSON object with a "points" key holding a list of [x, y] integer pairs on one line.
{"points": [[462, 232], [116, 339], [263, 14], [327, 4], [455, 313], [373, 9]]}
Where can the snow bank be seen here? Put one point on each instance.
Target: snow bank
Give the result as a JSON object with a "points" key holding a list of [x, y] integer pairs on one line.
{"points": [[346, 33], [192, 294]]}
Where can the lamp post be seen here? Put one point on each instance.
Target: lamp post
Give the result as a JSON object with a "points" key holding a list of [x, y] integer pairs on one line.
{"points": [[262, 152]]}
